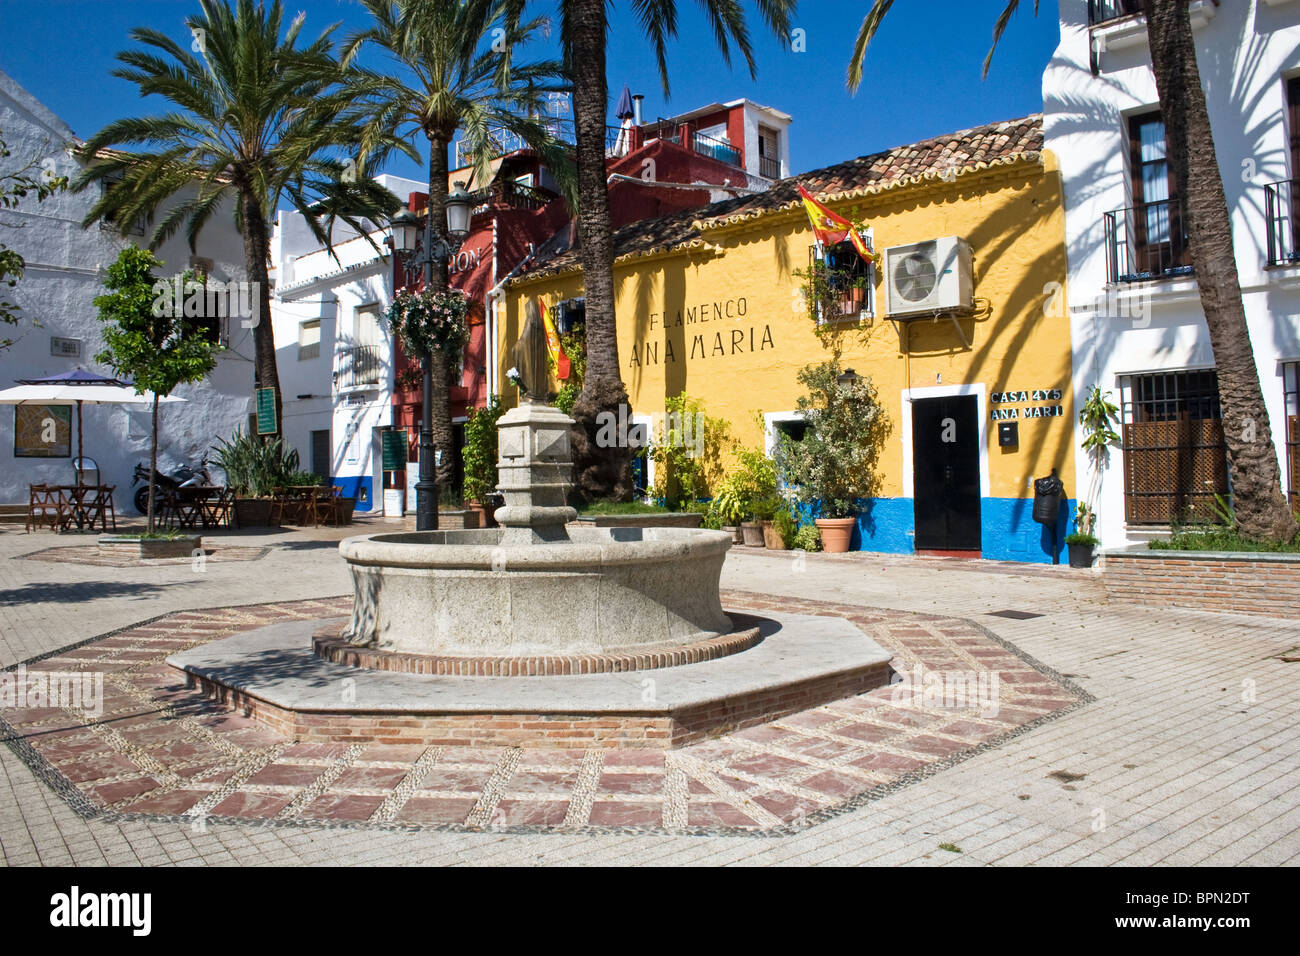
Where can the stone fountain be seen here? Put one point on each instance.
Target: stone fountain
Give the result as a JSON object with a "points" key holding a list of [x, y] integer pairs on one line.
{"points": [[535, 634], [533, 587]]}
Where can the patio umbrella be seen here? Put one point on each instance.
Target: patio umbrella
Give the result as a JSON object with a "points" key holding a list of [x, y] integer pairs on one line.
{"points": [[625, 112], [77, 387]]}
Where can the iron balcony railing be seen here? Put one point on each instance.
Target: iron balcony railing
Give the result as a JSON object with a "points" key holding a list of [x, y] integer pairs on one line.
{"points": [[697, 142], [1103, 11], [1283, 226], [1147, 242], [769, 167], [360, 366]]}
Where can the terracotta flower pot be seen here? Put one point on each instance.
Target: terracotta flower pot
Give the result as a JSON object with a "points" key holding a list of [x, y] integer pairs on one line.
{"points": [[751, 533], [837, 533]]}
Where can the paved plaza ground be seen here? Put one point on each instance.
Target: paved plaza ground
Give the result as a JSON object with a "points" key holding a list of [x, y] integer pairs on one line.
{"points": [[1168, 736]]}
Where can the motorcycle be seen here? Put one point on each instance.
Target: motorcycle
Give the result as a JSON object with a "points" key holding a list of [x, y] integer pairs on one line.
{"points": [[182, 477]]}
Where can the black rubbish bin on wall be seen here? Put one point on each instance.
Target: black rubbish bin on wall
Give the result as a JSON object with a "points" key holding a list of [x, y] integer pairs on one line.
{"points": [[1048, 492]]}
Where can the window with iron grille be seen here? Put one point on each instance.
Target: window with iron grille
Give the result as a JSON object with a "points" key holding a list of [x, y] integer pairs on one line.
{"points": [[1291, 393], [844, 289], [1174, 456]]}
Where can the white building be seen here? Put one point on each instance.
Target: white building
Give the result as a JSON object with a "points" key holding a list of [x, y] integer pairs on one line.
{"points": [[1137, 325], [65, 271], [333, 352]]}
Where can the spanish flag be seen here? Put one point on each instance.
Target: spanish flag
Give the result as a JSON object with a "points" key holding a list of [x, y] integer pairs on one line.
{"points": [[553, 344], [832, 228]]}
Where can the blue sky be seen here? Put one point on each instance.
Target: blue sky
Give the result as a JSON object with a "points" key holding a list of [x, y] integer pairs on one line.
{"points": [[922, 75]]}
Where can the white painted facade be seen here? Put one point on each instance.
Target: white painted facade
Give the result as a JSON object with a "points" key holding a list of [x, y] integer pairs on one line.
{"points": [[1246, 51], [65, 271], [325, 389]]}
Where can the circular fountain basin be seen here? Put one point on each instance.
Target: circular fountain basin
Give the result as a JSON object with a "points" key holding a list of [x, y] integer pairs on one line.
{"points": [[606, 591]]}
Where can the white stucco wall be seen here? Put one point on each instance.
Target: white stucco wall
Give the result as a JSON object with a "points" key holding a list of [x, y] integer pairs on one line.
{"points": [[65, 270], [1245, 52]]}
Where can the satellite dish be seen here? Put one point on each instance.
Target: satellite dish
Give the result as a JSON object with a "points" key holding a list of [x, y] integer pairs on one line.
{"points": [[915, 276]]}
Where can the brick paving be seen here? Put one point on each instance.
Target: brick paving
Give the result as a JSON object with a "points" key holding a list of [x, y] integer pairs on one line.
{"points": [[1188, 754], [154, 747]]}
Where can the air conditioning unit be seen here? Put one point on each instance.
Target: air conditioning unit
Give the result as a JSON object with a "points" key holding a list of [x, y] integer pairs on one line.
{"points": [[928, 277]]}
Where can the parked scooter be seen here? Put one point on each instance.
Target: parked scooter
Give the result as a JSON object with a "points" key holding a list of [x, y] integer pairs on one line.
{"points": [[182, 477]]}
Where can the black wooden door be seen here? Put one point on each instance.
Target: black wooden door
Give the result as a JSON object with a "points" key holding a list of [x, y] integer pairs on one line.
{"points": [[946, 473]]}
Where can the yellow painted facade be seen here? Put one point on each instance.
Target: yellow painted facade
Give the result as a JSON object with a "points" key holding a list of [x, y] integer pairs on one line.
{"points": [[724, 321]]}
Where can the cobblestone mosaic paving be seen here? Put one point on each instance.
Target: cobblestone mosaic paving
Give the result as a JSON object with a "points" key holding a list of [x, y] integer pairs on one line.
{"points": [[90, 555], [159, 750]]}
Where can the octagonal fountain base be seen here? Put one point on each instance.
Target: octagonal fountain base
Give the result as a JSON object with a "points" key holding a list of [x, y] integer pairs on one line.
{"points": [[273, 675]]}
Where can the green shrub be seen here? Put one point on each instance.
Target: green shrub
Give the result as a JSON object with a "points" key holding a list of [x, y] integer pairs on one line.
{"points": [[255, 467], [304, 478], [480, 455], [807, 538], [786, 526]]}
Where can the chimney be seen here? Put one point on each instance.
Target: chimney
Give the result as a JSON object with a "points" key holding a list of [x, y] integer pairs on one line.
{"points": [[636, 108]]}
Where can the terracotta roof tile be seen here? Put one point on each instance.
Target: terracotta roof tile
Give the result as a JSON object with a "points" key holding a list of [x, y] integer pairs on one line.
{"points": [[955, 151]]}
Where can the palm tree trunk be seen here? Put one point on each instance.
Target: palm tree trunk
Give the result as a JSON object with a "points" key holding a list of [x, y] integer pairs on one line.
{"points": [[602, 469], [1261, 509], [257, 249], [153, 464], [437, 281]]}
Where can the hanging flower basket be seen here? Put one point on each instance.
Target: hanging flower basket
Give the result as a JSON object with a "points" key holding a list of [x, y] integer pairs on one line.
{"points": [[425, 322]]}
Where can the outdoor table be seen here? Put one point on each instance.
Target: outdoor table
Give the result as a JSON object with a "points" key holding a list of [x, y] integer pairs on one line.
{"points": [[205, 505], [85, 504], [298, 503]]}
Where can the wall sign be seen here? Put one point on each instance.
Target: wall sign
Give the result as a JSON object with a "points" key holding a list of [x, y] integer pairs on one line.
{"points": [[394, 443], [1003, 399], [266, 423], [42, 431]]}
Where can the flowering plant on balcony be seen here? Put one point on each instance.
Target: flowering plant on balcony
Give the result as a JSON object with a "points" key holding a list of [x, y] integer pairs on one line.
{"points": [[426, 321]]}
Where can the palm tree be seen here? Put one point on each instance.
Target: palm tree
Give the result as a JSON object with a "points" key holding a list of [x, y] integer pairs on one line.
{"points": [[605, 472], [1260, 507], [459, 77], [257, 120]]}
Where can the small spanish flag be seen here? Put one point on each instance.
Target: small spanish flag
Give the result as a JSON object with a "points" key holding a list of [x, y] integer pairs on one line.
{"points": [[553, 344], [832, 228]]}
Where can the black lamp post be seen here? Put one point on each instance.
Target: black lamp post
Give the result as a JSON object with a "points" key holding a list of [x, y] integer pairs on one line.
{"points": [[426, 252], [848, 377]]}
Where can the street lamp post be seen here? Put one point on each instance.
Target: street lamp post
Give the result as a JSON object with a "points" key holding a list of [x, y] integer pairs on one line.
{"points": [[426, 254]]}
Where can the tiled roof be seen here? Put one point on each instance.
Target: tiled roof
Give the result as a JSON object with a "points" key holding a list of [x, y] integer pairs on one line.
{"points": [[943, 156]]}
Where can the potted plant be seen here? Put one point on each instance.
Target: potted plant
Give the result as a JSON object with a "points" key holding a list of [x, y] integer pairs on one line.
{"points": [[778, 534], [1081, 542], [254, 469], [754, 481], [1097, 417], [480, 458], [858, 293], [834, 466], [729, 507]]}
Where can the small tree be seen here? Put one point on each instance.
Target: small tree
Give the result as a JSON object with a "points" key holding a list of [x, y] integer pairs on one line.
{"points": [[147, 338], [835, 463]]}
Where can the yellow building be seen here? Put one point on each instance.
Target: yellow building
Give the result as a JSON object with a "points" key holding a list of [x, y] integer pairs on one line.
{"points": [[963, 328]]}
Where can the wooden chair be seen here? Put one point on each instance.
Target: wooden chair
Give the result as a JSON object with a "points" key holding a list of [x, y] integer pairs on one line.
{"points": [[279, 503], [216, 508], [46, 505], [326, 507], [97, 505]]}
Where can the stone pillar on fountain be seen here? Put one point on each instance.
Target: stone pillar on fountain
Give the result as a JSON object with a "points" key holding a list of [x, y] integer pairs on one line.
{"points": [[536, 470]]}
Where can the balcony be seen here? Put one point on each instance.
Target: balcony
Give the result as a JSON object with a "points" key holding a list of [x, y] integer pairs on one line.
{"points": [[1283, 226], [769, 167], [361, 366], [1147, 242], [1103, 11], [697, 142]]}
